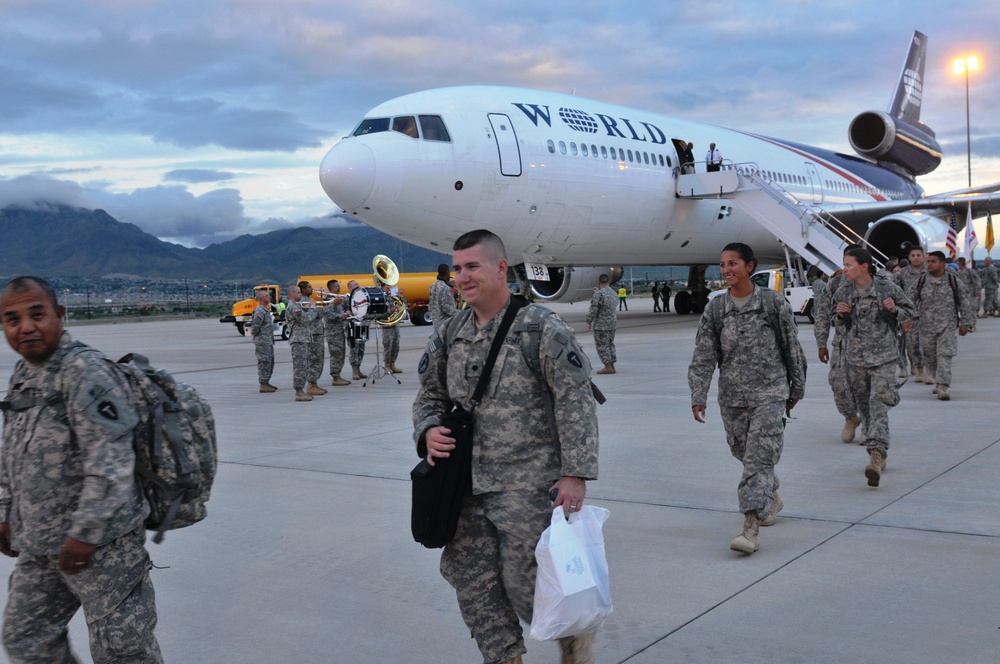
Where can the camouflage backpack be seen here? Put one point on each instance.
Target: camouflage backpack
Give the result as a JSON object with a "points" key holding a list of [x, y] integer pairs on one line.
{"points": [[175, 450]]}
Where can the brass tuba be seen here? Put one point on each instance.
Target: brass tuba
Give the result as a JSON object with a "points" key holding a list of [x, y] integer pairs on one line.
{"points": [[385, 273]]}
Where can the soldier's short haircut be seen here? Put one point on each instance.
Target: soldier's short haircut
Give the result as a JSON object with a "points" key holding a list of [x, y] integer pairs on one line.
{"points": [[862, 256], [491, 243], [915, 248], [745, 252], [27, 282], [330, 283], [604, 279], [938, 254], [304, 284]]}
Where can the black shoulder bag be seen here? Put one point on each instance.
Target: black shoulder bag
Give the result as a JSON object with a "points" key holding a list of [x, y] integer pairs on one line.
{"points": [[438, 490]]}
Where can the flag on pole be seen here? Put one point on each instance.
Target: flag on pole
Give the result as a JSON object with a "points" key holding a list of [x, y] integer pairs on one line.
{"points": [[989, 230], [970, 235], [951, 242]]}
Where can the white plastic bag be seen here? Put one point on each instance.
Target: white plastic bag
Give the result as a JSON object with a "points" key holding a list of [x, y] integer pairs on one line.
{"points": [[572, 591]]}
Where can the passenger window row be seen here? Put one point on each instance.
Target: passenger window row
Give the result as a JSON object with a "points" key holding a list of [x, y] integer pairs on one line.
{"points": [[604, 152]]}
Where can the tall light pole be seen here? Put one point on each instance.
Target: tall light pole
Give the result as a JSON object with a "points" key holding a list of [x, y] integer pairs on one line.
{"points": [[963, 66]]}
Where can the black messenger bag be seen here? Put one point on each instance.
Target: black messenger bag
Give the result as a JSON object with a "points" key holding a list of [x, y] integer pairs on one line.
{"points": [[438, 490]]}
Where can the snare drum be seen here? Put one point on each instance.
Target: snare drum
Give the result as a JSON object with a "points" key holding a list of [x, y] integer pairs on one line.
{"points": [[358, 331]]}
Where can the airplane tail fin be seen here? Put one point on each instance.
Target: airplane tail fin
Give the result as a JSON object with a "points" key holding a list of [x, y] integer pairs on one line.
{"points": [[905, 103]]}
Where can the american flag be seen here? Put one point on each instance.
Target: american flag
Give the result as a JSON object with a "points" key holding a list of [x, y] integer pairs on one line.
{"points": [[950, 243]]}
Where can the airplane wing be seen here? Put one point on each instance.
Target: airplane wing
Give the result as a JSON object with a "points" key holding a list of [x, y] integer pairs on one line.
{"points": [[861, 214]]}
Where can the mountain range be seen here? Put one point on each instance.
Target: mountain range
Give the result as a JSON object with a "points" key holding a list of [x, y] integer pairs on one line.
{"points": [[62, 241]]}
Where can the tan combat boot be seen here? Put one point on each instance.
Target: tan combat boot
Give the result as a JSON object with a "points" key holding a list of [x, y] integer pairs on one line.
{"points": [[357, 373], [396, 369], [776, 507], [302, 396], [749, 540], [339, 382], [388, 367], [876, 464], [577, 649], [267, 387], [850, 429], [927, 377], [942, 392], [315, 390], [608, 369]]}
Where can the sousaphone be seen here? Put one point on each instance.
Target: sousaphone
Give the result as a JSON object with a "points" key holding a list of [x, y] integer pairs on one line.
{"points": [[385, 273]]}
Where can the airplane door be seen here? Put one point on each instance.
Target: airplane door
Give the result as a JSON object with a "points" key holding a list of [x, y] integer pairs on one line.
{"points": [[509, 151], [815, 183]]}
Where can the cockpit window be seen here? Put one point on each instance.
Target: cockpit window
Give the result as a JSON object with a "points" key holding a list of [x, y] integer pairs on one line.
{"points": [[433, 128], [405, 125], [371, 126]]}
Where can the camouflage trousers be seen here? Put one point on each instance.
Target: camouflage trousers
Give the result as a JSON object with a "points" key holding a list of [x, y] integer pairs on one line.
{"points": [[913, 347], [114, 590], [390, 344], [756, 437], [605, 342], [839, 383], [357, 351], [938, 349], [300, 364], [316, 358], [875, 392], [990, 303], [265, 360], [491, 565], [336, 343]]}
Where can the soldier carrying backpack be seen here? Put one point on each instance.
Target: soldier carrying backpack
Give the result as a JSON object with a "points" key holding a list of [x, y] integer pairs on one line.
{"points": [[75, 489]]}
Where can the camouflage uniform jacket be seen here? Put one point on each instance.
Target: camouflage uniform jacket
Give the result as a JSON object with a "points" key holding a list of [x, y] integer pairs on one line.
{"points": [[515, 447], [757, 364], [988, 275], [74, 478], [973, 282], [936, 308], [823, 312], [262, 325], [871, 340], [299, 322], [332, 315], [601, 315], [441, 302], [907, 278]]}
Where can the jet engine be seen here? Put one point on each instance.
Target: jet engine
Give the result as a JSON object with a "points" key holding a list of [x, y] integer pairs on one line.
{"points": [[571, 284], [895, 234], [885, 139]]}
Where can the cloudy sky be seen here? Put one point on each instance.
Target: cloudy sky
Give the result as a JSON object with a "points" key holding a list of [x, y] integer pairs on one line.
{"points": [[200, 120]]}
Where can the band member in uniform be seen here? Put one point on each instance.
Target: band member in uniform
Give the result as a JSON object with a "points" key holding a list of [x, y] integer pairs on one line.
{"points": [[357, 336], [336, 341]]}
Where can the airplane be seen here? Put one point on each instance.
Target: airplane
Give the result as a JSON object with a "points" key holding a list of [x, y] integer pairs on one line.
{"points": [[574, 185]]}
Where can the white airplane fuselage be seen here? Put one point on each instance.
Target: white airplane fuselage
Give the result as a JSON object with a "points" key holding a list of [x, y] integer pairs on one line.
{"points": [[569, 181]]}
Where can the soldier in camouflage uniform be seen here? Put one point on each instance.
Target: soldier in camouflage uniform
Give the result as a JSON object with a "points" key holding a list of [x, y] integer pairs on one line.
{"points": [[262, 331], [973, 282], [843, 398], [990, 280], [441, 302], [390, 336], [871, 309], [298, 319], [336, 342], [906, 279], [601, 317], [358, 343], [491, 561], [750, 334], [70, 508], [316, 342], [944, 310]]}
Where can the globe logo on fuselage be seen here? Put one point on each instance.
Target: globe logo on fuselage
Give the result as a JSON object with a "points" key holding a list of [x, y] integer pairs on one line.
{"points": [[578, 120]]}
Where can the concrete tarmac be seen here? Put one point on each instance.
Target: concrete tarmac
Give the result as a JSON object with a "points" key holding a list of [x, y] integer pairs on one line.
{"points": [[306, 556]]}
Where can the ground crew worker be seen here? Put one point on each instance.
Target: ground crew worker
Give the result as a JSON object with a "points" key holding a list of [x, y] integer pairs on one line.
{"points": [[622, 295], [262, 332], [70, 508]]}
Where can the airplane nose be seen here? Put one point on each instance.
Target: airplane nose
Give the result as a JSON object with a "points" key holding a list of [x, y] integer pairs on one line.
{"points": [[347, 174]]}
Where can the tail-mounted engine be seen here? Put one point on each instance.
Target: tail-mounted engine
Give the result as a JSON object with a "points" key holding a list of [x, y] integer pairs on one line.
{"points": [[888, 140]]}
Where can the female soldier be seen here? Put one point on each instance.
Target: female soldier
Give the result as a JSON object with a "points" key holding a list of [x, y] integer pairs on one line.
{"points": [[872, 309], [749, 333]]}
